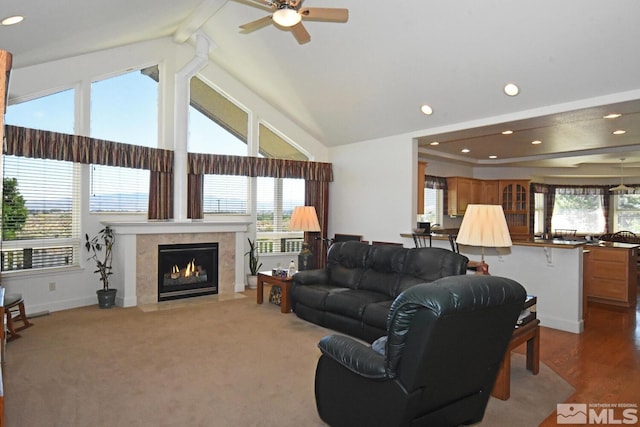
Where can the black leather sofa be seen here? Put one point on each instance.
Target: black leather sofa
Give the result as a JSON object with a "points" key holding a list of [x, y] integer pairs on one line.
{"points": [[354, 292]]}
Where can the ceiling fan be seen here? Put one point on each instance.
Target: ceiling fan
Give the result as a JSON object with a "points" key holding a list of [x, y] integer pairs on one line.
{"points": [[621, 187], [290, 13]]}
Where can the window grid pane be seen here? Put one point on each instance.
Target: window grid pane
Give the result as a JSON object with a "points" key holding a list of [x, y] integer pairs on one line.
{"points": [[123, 109], [277, 197], [433, 206], [41, 208], [577, 212], [627, 213], [115, 189], [225, 194]]}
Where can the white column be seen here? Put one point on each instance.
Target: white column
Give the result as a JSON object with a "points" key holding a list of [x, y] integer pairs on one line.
{"points": [[181, 125]]}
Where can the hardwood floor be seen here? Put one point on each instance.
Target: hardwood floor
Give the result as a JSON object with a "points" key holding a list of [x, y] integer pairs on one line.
{"points": [[602, 363]]}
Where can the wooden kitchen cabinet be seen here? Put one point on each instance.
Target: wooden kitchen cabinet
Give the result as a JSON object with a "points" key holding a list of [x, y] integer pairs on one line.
{"points": [[610, 274], [460, 195], [490, 194], [514, 198]]}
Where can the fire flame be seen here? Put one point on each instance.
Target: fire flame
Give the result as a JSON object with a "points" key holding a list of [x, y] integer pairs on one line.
{"points": [[191, 268]]}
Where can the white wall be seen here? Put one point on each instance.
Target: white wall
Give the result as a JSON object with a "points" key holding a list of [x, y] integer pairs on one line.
{"points": [[374, 187], [76, 287]]}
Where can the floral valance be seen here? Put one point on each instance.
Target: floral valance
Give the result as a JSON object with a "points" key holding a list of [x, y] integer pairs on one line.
{"points": [[42, 144]]}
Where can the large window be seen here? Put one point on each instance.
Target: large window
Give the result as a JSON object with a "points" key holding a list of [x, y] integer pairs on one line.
{"points": [[276, 199], [538, 217], [433, 209], [218, 126], [626, 212], [123, 109], [583, 213], [225, 194], [41, 209]]}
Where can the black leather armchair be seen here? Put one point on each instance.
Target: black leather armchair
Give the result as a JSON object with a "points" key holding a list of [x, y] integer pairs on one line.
{"points": [[445, 343]]}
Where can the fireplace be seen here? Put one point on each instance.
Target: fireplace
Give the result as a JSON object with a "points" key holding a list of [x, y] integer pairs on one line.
{"points": [[187, 270]]}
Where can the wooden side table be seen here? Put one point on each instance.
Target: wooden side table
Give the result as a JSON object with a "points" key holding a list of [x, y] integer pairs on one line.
{"points": [[529, 333], [283, 283]]}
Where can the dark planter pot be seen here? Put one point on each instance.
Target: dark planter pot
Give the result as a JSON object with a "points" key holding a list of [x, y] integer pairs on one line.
{"points": [[106, 298]]}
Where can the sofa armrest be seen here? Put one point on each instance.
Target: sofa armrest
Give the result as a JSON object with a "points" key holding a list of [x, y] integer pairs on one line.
{"points": [[354, 355], [311, 277]]}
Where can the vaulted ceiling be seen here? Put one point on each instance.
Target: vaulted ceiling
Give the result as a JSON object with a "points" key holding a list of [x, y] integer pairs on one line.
{"points": [[574, 62]]}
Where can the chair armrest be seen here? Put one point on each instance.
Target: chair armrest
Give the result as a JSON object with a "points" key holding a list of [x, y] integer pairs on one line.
{"points": [[355, 356], [311, 277]]}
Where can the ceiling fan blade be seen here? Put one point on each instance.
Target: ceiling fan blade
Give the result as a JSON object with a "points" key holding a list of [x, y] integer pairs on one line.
{"points": [[300, 33], [263, 2], [325, 14], [257, 24]]}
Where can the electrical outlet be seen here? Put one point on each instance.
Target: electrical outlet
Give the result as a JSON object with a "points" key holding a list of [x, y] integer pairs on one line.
{"points": [[52, 286]]}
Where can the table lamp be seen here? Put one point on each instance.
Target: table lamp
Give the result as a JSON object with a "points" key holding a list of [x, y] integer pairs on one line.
{"points": [[304, 218], [484, 226]]}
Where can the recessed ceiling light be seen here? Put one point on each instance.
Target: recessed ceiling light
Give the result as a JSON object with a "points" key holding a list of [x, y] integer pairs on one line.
{"points": [[612, 116], [511, 89], [465, 150], [507, 132], [426, 110], [11, 20], [493, 157], [434, 143], [619, 132], [536, 142]]}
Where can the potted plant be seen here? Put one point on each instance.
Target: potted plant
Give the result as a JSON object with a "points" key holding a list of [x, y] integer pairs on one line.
{"points": [[100, 247], [254, 265]]}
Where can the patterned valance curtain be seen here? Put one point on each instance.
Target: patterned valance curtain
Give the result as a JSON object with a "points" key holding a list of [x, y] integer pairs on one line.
{"points": [[198, 163], [42, 144], [435, 182]]}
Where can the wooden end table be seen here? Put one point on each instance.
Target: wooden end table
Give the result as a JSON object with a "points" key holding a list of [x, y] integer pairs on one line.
{"points": [[283, 283], [529, 333]]}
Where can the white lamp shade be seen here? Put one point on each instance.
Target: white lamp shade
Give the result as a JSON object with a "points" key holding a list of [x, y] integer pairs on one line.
{"points": [[304, 218], [484, 225]]}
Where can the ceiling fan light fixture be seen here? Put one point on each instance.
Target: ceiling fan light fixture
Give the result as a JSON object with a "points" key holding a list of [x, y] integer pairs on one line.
{"points": [[286, 16]]}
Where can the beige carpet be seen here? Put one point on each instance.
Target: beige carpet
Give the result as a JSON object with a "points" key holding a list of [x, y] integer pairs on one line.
{"points": [[210, 362]]}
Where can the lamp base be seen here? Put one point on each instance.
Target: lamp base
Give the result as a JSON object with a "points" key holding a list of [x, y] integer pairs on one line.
{"points": [[305, 258]]}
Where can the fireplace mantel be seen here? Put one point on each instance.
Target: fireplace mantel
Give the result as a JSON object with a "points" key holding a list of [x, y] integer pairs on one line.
{"points": [[172, 227], [134, 254]]}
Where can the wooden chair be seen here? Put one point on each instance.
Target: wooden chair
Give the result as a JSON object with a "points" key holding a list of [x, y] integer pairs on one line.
{"points": [[13, 303]]}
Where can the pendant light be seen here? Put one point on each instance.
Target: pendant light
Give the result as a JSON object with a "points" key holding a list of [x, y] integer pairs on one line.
{"points": [[621, 187]]}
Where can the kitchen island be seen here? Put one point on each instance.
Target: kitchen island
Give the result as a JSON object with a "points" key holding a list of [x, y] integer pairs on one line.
{"points": [[550, 269], [563, 274]]}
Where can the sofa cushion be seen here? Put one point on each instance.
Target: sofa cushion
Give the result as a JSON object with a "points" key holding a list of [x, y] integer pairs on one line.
{"points": [[314, 296], [346, 262], [431, 264], [375, 314], [352, 303], [384, 268]]}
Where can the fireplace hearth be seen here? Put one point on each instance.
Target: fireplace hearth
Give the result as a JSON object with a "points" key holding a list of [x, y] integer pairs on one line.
{"points": [[187, 270]]}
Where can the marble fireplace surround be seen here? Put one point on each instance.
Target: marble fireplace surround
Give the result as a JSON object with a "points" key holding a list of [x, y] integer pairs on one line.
{"points": [[135, 255]]}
